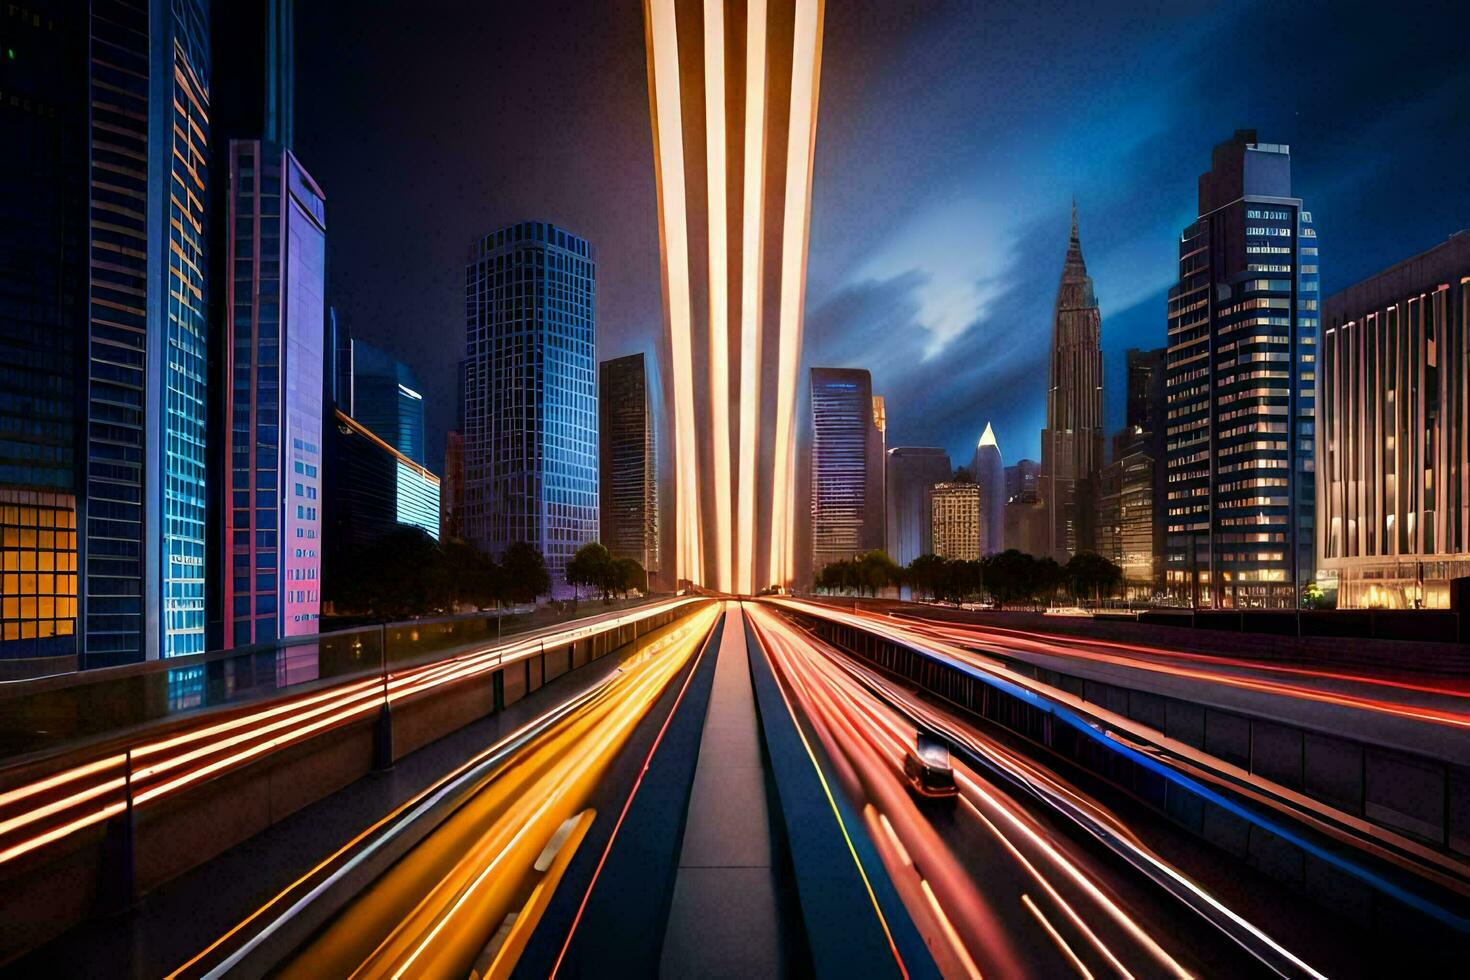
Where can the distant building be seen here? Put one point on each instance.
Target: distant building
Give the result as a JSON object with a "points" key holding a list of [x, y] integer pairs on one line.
{"points": [[1243, 324], [273, 402], [370, 490], [1391, 480], [1131, 522], [628, 466], [382, 393], [451, 495], [1026, 524], [1072, 442], [846, 466], [530, 400], [912, 470], [990, 474], [1022, 478], [955, 520]]}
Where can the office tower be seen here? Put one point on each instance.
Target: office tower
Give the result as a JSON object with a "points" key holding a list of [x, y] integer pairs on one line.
{"points": [[1241, 369], [1392, 493], [451, 498], [627, 468], [955, 520], [846, 466], [1147, 404], [1072, 442], [530, 404], [912, 470], [1131, 519], [1022, 478], [990, 473], [43, 309], [274, 363], [371, 488], [379, 391], [733, 91]]}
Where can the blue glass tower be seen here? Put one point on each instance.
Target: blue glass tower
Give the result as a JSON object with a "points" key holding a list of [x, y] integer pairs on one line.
{"points": [[380, 392], [530, 403]]}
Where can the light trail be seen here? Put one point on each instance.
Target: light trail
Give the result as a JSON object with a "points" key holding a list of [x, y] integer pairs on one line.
{"points": [[719, 282], [751, 290]]}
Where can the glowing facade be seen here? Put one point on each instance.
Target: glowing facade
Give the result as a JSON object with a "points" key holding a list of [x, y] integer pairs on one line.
{"points": [[733, 97]]}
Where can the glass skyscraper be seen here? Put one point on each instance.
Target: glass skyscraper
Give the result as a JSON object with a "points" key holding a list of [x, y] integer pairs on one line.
{"points": [[530, 405], [380, 392], [371, 488], [847, 466], [275, 359], [1241, 377], [628, 472]]}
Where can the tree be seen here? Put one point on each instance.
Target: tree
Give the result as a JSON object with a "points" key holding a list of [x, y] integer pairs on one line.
{"points": [[925, 574], [526, 577], [399, 575], [1091, 576], [1011, 576], [628, 575], [474, 577], [592, 566], [875, 571]]}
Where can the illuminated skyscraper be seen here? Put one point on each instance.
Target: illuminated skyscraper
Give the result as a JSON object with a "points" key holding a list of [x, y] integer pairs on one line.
{"points": [[954, 514], [274, 400], [990, 474], [628, 471], [1072, 442], [1241, 373], [530, 401], [733, 89], [911, 472], [847, 466], [379, 392]]}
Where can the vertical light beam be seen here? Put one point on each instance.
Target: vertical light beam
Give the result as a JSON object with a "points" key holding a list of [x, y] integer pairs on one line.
{"points": [[719, 282], [752, 257]]}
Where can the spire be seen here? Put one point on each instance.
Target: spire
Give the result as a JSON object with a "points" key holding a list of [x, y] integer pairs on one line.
{"points": [[987, 438], [1075, 239]]}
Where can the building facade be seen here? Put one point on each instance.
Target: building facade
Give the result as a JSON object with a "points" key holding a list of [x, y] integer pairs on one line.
{"points": [[1392, 490], [381, 392], [530, 400], [990, 474], [847, 462], [628, 465], [955, 520], [1022, 478], [1072, 442], [274, 361], [1131, 528], [733, 91], [451, 491], [370, 489], [912, 470], [1241, 375]]}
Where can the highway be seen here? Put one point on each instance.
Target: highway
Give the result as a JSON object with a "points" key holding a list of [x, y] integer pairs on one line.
{"points": [[991, 885]]}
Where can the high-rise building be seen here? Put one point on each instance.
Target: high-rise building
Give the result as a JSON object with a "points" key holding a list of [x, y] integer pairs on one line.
{"points": [[1243, 323], [380, 392], [451, 496], [1392, 383], [274, 363], [43, 309], [1022, 478], [990, 474], [733, 91], [628, 470], [1072, 442], [912, 470], [1131, 519], [530, 402], [371, 488], [846, 466], [955, 520]]}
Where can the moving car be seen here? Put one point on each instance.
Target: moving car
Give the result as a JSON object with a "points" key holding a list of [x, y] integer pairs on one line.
{"points": [[926, 766]]}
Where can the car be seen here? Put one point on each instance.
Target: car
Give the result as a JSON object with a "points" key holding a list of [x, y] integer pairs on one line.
{"points": [[926, 767]]}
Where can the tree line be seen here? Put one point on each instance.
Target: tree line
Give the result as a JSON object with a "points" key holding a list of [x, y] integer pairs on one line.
{"points": [[406, 573], [1009, 578]]}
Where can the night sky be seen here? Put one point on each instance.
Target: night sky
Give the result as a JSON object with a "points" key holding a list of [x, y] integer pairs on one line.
{"points": [[951, 139]]}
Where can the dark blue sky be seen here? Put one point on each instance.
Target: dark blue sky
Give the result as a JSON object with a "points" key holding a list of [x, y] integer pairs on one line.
{"points": [[951, 138]]}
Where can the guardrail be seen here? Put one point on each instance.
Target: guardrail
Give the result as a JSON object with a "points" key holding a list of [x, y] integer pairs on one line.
{"points": [[102, 773]]}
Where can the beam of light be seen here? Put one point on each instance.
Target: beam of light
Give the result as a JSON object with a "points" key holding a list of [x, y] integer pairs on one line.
{"points": [[662, 41], [752, 294], [805, 79], [1051, 931], [719, 281]]}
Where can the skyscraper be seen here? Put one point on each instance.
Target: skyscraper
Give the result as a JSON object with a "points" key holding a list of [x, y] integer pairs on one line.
{"points": [[1241, 372], [847, 466], [451, 496], [1393, 386], [370, 489], [912, 470], [733, 91], [1072, 442], [1021, 478], [627, 469], [275, 361], [954, 514], [530, 404], [379, 392], [990, 474]]}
